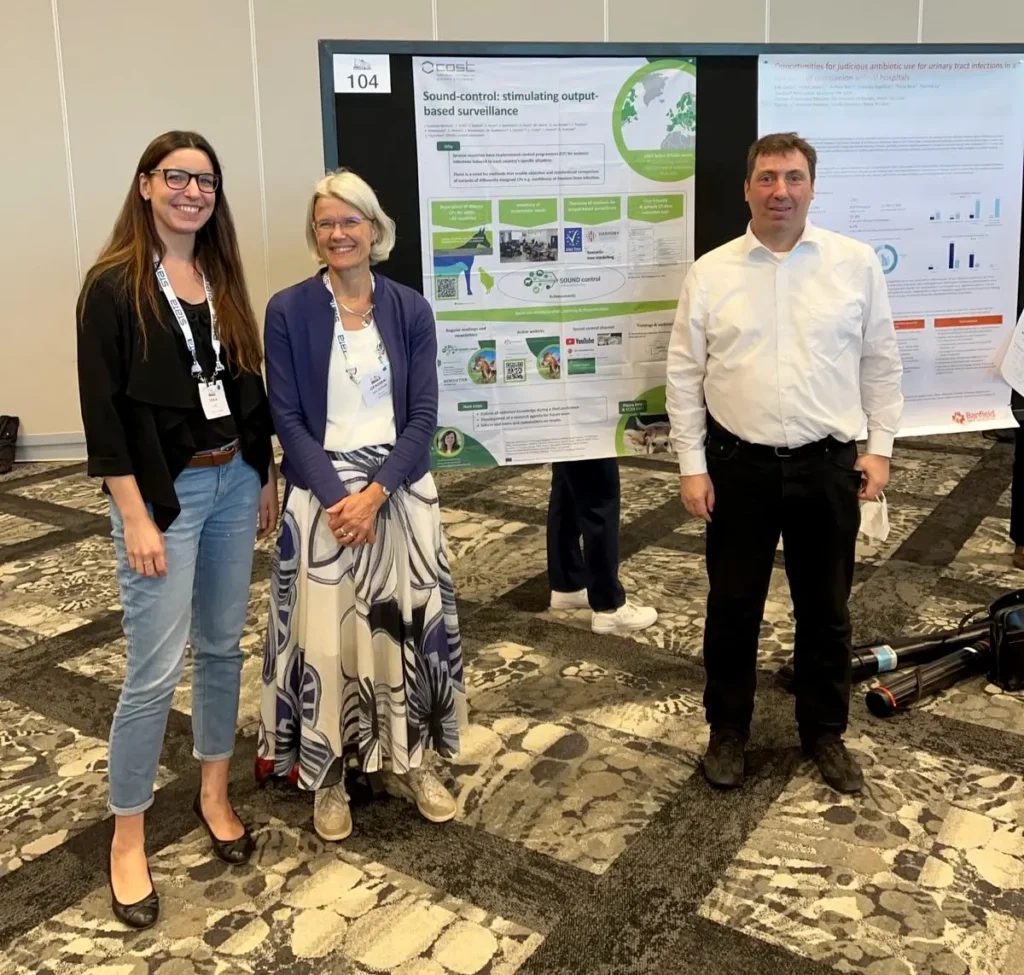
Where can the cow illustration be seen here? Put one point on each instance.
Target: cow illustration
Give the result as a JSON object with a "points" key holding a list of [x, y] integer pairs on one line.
{"points": [[651, 438]]}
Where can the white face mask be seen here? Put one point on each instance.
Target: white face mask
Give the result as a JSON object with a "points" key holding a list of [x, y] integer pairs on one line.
{"points": [[874, 519]]}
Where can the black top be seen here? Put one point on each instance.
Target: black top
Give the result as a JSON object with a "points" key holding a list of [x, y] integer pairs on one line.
{"points": [[140, 407], [207, 434]]}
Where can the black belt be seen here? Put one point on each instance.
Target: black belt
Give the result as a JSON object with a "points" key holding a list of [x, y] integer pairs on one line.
{"points": [[717, 432]]}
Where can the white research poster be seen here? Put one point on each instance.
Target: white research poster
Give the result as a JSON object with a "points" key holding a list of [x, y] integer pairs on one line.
{"points": [[556, 200], [920, 156]]}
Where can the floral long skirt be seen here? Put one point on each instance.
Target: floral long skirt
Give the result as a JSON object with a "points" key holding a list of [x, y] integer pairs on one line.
{"points": [[363, 652]]}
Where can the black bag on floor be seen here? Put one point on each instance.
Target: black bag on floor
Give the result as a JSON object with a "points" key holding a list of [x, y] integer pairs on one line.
{"points": [[8, 438], [1007, 614]]}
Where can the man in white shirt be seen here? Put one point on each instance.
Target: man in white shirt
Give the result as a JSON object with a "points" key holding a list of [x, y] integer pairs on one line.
{"points": [[783, 345]]}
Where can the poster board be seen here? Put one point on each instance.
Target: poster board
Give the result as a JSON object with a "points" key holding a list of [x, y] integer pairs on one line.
{"points": [[920, 158], [556, 227], [377, 135]]}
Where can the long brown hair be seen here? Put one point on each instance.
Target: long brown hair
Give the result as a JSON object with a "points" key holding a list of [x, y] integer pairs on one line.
{"points": [[134, 240]]}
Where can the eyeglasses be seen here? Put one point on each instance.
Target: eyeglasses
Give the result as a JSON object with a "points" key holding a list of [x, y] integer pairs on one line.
{"points": [[346, 223], [178, 179]]}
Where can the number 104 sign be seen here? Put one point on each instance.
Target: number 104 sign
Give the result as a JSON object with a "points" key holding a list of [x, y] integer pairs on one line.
{"points": [[362, 74]]}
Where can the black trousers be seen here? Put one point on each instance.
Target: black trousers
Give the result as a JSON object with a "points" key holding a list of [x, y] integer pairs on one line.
{"points": [[584, 505], [810, 499], [1017, 490]]}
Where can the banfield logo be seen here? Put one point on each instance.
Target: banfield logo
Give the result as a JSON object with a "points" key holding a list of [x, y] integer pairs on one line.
{"points": [[964, 418], [448, 69]]}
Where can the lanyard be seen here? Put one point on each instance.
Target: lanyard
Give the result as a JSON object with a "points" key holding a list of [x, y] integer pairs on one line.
{"points": [[186, 329], [339, 331]]}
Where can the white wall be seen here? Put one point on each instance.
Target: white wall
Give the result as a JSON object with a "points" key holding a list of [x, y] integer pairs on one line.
{"points": [[87, 83], [39, 270]]}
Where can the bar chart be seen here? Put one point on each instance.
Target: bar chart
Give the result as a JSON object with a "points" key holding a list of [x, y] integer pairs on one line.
{"points": [[966, 212], [954, 258]]}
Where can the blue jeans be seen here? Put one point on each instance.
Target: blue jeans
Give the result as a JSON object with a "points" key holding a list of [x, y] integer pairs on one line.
{"points": [[204, 600]]}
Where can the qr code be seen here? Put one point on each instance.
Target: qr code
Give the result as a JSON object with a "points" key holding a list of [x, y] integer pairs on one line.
{"points": [[446, 288], [515, 370]]}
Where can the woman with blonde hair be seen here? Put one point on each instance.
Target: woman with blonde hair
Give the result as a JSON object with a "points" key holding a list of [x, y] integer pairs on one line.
{"points": [[363, 653], [177, 425]]}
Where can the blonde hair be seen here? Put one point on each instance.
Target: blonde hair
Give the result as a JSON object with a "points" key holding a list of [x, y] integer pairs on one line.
{"points": [[344, 185]]}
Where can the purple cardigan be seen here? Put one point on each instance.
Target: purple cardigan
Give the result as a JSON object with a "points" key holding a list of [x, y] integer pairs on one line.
{"points": [[298, 333]]}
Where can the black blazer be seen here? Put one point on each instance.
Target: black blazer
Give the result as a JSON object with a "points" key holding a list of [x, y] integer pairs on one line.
{"points": [[136, 408]]}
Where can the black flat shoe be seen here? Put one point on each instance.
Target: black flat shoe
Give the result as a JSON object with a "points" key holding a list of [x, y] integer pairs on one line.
{"points": [[235, 852], [142, 914]]}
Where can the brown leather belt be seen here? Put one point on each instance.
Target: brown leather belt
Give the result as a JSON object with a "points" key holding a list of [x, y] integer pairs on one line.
{"points": [[214, 458]]}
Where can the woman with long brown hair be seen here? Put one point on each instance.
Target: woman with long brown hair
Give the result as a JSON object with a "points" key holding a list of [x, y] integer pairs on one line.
{"points": [[177, 426]]}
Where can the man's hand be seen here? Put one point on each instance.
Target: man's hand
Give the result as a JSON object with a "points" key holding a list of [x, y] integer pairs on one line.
{"points": [[698, 495], [876, 475]]}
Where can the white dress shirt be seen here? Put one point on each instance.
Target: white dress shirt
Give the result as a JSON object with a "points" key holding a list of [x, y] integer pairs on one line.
{"points": [[784, 350]]}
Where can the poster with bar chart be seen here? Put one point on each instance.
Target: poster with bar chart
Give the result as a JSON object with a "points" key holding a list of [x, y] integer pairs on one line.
{"points": [[920, 156]]}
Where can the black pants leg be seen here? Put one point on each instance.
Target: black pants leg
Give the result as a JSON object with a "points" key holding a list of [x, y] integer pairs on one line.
{"points": [[741, 542], [812, 501], [585, 503], [819, 536], [1017, 489], [566, 570]]}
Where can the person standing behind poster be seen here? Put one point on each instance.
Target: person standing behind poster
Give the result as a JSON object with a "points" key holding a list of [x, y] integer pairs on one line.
{"points": [[783, 343], [584, 504]]}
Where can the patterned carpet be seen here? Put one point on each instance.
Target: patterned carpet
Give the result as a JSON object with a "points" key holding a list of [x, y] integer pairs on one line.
{"points": [[586, 841]]}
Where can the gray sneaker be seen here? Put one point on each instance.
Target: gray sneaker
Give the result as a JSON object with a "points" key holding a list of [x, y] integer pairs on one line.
{"points": [[332, 818], [422, 787]]}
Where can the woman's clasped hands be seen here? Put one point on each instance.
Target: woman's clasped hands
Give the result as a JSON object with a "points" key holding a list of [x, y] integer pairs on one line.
{"points": [[351, 519]]}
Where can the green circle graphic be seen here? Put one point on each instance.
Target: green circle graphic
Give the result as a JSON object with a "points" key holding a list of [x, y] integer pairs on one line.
{"points": [[544, 368], [660, 165], [477, 376], [457, 447], [468, 452]]}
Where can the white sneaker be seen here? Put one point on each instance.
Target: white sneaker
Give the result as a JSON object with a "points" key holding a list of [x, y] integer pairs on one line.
{"points": [[570, 600], [332, 818], [628, 618], [421, 786]]}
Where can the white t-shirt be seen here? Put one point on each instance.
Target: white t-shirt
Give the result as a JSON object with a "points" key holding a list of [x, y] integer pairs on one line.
{"points": [[352, 424]]}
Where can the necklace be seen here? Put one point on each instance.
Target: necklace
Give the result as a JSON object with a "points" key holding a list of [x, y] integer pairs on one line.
{"points": [[365, 317]]}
